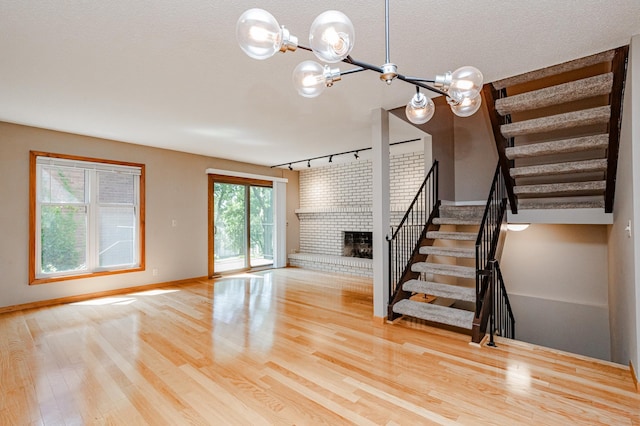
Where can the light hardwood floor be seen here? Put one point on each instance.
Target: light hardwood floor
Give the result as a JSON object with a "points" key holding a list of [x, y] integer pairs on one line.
{"points": [[283, 347]]}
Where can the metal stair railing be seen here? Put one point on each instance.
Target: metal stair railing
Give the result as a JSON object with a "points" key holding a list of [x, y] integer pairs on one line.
{"points": [[501, 319], [486, 247], [404, 243]]}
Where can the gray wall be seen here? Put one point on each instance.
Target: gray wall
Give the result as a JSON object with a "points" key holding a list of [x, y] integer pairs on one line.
{"points": [[465, 149], [176, 188], [556, 277], [476, 156], [624, 249]]}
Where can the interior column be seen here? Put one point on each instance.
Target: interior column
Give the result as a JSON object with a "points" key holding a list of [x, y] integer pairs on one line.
{"points": [[381, 206]]}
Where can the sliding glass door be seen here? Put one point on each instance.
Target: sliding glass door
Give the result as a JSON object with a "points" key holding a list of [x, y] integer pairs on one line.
{"points": [[261, 226], [242, 224]]}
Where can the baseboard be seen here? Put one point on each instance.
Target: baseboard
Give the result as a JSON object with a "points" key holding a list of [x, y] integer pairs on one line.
{"points": [[379, 320], [634, 376], [87, 296], [482, 342]]}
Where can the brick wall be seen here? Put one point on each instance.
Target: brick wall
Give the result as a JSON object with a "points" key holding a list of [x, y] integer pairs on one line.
{"points": [[349, 184], [338, 198]]}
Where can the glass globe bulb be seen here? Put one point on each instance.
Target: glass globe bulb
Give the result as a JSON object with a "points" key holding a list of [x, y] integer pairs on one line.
{"points": [[466, 82], [420, 109], [331, 36], [309, 79], [467, 107], [258, 34]]}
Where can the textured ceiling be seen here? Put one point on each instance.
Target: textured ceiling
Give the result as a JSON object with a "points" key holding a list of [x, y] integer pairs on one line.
{"points": [[170, 74]]}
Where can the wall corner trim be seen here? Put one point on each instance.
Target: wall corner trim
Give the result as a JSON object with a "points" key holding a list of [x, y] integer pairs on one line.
{"points": [[634, 376]]}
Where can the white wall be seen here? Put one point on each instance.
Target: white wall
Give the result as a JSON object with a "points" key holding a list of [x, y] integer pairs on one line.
{"points": [[624, 249], [556, 278], [176, 188]]}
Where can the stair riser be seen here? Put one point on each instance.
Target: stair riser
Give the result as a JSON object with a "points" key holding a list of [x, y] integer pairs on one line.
{"points": [[566, 146], [600, 115], [424, 268], [440, 290], [589, 166], [435, 235]]}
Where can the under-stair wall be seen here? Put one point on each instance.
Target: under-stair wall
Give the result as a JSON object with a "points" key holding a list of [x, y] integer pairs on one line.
{"points": [[557, 280]]}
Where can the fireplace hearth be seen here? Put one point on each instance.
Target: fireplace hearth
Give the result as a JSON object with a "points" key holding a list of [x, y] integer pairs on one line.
{"points": [[358, 244]]}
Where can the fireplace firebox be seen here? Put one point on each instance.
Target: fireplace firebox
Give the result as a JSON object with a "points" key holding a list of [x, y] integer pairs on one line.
{"points": [[358, 244]]}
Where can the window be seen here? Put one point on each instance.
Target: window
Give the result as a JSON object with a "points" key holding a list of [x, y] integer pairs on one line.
{"points": [[87, 217]]}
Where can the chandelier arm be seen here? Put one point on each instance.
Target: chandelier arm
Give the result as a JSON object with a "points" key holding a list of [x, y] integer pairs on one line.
{"points": [[350, 60], [352, 71], [420, 84], [416, 81], [420, 79]]}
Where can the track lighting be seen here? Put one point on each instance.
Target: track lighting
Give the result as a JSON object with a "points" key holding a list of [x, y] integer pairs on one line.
{"points": [[355, 152], [331, 38]]}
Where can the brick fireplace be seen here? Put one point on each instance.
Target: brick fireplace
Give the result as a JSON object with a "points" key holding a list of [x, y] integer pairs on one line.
{"points": [[336, 200]]}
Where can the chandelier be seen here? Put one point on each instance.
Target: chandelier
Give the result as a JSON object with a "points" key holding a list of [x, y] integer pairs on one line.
{"points": [[331, 39]]}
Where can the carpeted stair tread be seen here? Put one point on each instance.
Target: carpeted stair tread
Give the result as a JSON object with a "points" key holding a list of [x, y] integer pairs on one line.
{"points": [[441, 290], [576, 64], [463, 252], [469, 212], [571, 188], [555, 95], [460, 236], [444, 269], [585, 166], [435, 313], [456, 221], [555, 203], [568, 120], [586, 143]]}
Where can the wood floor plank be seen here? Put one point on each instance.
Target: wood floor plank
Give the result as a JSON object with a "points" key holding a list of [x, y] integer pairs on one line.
{"points": [[284, 347]]}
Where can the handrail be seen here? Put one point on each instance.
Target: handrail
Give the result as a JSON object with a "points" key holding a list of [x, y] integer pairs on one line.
{"points": [[486, 247], [433, 171], [501, 321], [404, 243]]}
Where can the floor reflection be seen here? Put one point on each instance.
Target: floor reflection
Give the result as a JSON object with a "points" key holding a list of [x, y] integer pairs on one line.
{"points": [[243, 314]]}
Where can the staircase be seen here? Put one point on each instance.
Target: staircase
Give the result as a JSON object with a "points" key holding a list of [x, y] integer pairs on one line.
{"points": [[445, 291], [557, 132]]}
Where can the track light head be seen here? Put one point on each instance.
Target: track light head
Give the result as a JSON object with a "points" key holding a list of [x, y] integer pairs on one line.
{"points": [[331, 158], [356, 155], [290, 168], [308, 163]]}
